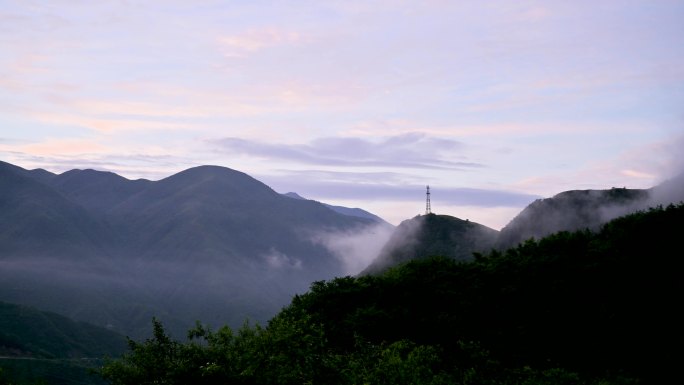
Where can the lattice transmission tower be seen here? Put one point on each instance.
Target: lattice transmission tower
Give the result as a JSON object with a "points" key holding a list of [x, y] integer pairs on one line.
{"points": [[428, 209]]}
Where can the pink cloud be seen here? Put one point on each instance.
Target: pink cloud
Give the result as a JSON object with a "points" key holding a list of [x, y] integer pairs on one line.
{"points": [[105, 125], [58, 147], [638, 174], [105, 107], [642, 166], [240, 45]]}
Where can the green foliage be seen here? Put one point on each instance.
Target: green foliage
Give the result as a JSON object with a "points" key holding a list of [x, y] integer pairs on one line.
{"points": [[573, 308], [39, 347], [48, 371], [25, 331]]}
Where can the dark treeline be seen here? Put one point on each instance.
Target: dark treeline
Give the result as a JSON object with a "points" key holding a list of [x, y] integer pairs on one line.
{"points": [[572, 308]]}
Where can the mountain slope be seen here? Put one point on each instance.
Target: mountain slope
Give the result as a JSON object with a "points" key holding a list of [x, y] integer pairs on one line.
{"points": [[25, 331], [580, 209], [353, 212], [39, 347], [430, 235], [38, 221], [569, 211], [213, 212], [96, 190], [98, 247]]}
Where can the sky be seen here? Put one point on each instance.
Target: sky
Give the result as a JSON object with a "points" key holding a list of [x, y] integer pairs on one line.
{"points": [[358, 103]]}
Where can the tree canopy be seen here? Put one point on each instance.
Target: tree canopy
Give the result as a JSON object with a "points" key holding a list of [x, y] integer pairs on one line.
{"points": [[571, 308]]}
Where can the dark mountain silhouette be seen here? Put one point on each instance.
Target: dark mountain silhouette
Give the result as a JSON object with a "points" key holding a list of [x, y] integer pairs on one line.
{"points": [[38, 221], [585, 209], [430, 235], [208, 243], [569, 211]]}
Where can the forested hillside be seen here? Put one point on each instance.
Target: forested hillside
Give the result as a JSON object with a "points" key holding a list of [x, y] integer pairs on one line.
{"points": [[429, 235], [572, 308], [40, 346], [570, 211], [25, 331]]}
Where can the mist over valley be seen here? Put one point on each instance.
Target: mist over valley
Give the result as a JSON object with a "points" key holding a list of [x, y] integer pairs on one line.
{"points": [[208, 244]]}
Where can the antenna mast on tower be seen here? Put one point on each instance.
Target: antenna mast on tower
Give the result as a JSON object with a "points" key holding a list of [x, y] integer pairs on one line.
{"points": [[428, 209]]}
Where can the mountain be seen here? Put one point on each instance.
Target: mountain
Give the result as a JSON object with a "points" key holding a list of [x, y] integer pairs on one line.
{"points": [[430, 235], [353, 212], [207, 243], [96, 190], [580, 209], [38, 221], [569, 211]]}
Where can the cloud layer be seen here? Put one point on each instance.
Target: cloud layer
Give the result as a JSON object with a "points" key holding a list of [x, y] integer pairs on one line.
{"points": [[402, 151]]}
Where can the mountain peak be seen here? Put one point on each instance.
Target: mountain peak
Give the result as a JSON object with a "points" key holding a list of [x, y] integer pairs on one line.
{"points": [[569, 211], [430, 235], [294, 195], [212, 170]]}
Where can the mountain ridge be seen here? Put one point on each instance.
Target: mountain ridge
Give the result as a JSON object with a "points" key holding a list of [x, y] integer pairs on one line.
{"points": [[350, 211], [154, 247], [570, 210], [579, 209], [219, 234]]}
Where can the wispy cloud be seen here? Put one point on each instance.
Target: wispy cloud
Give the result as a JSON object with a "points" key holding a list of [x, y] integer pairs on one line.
{"points": [[642, 166], [356, 177], [383, 190], [59, 155], [402, 151], [251, 41], [107, 124], [65, 147], [277, 260], [355, 248]]}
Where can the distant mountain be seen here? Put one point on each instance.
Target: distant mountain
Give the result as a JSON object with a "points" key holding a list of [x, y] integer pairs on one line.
{"points": [[294, 195], [432, 235], [353, 212], [208, 243], [580, 209]]}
